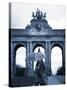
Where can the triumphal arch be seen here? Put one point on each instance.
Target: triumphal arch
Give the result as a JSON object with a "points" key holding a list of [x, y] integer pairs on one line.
{"points": [[38, 33]]}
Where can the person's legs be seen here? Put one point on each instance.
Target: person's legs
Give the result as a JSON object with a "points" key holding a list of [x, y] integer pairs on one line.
{"points": [[37, 81], [42, 81]]}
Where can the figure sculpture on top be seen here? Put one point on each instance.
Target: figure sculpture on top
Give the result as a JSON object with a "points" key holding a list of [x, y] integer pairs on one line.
{"points": [[38, 15]]}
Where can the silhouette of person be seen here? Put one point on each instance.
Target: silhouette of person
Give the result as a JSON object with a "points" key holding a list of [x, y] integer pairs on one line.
{"points": [[39, 72]]}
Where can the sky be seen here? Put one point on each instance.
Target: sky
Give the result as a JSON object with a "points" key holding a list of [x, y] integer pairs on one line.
{"points": [[21, 14]]}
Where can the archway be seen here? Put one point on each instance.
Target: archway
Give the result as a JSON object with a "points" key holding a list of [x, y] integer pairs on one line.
{"points": [[42, 50], [20, 61], [56, 59]]}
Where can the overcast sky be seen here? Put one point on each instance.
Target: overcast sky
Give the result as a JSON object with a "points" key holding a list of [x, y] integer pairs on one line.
{"points": [[21, 14]]}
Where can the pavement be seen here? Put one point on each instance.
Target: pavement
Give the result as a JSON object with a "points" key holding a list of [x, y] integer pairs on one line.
{"points": [[54, 80], [29, 81]]}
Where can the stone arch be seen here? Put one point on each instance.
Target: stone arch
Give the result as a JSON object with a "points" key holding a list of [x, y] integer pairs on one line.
{"points": [[57, 44], [38, 44], [19, 45], [21, 55], [56, 59], [62, 46], [17, 67], [16, 46]]}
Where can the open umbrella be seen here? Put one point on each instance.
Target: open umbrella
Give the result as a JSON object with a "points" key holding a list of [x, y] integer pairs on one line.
{"points": [[35, 56]]}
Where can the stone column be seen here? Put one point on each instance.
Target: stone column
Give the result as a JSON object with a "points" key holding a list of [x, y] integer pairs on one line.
{"points": [[48, 58], [29, 63], [12, 63], [27, 53], [63, 59], [12, 60], [11, 71], [63, 54], [50, 72], [30, 47], [32, 62]]}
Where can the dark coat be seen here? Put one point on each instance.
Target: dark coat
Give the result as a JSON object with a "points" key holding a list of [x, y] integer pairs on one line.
{"points": [[41, 77]]}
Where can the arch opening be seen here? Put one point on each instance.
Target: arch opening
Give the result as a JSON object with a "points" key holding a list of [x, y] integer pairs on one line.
{"points": [[56, 59], [20, 61], [42, 50]]}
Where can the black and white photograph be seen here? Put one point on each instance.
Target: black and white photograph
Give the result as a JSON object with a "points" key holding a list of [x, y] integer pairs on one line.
{"points": [[36, 44]]}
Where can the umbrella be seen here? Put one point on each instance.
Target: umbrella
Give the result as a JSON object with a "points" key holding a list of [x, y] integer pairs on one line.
{"points": [[35, 56]]}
